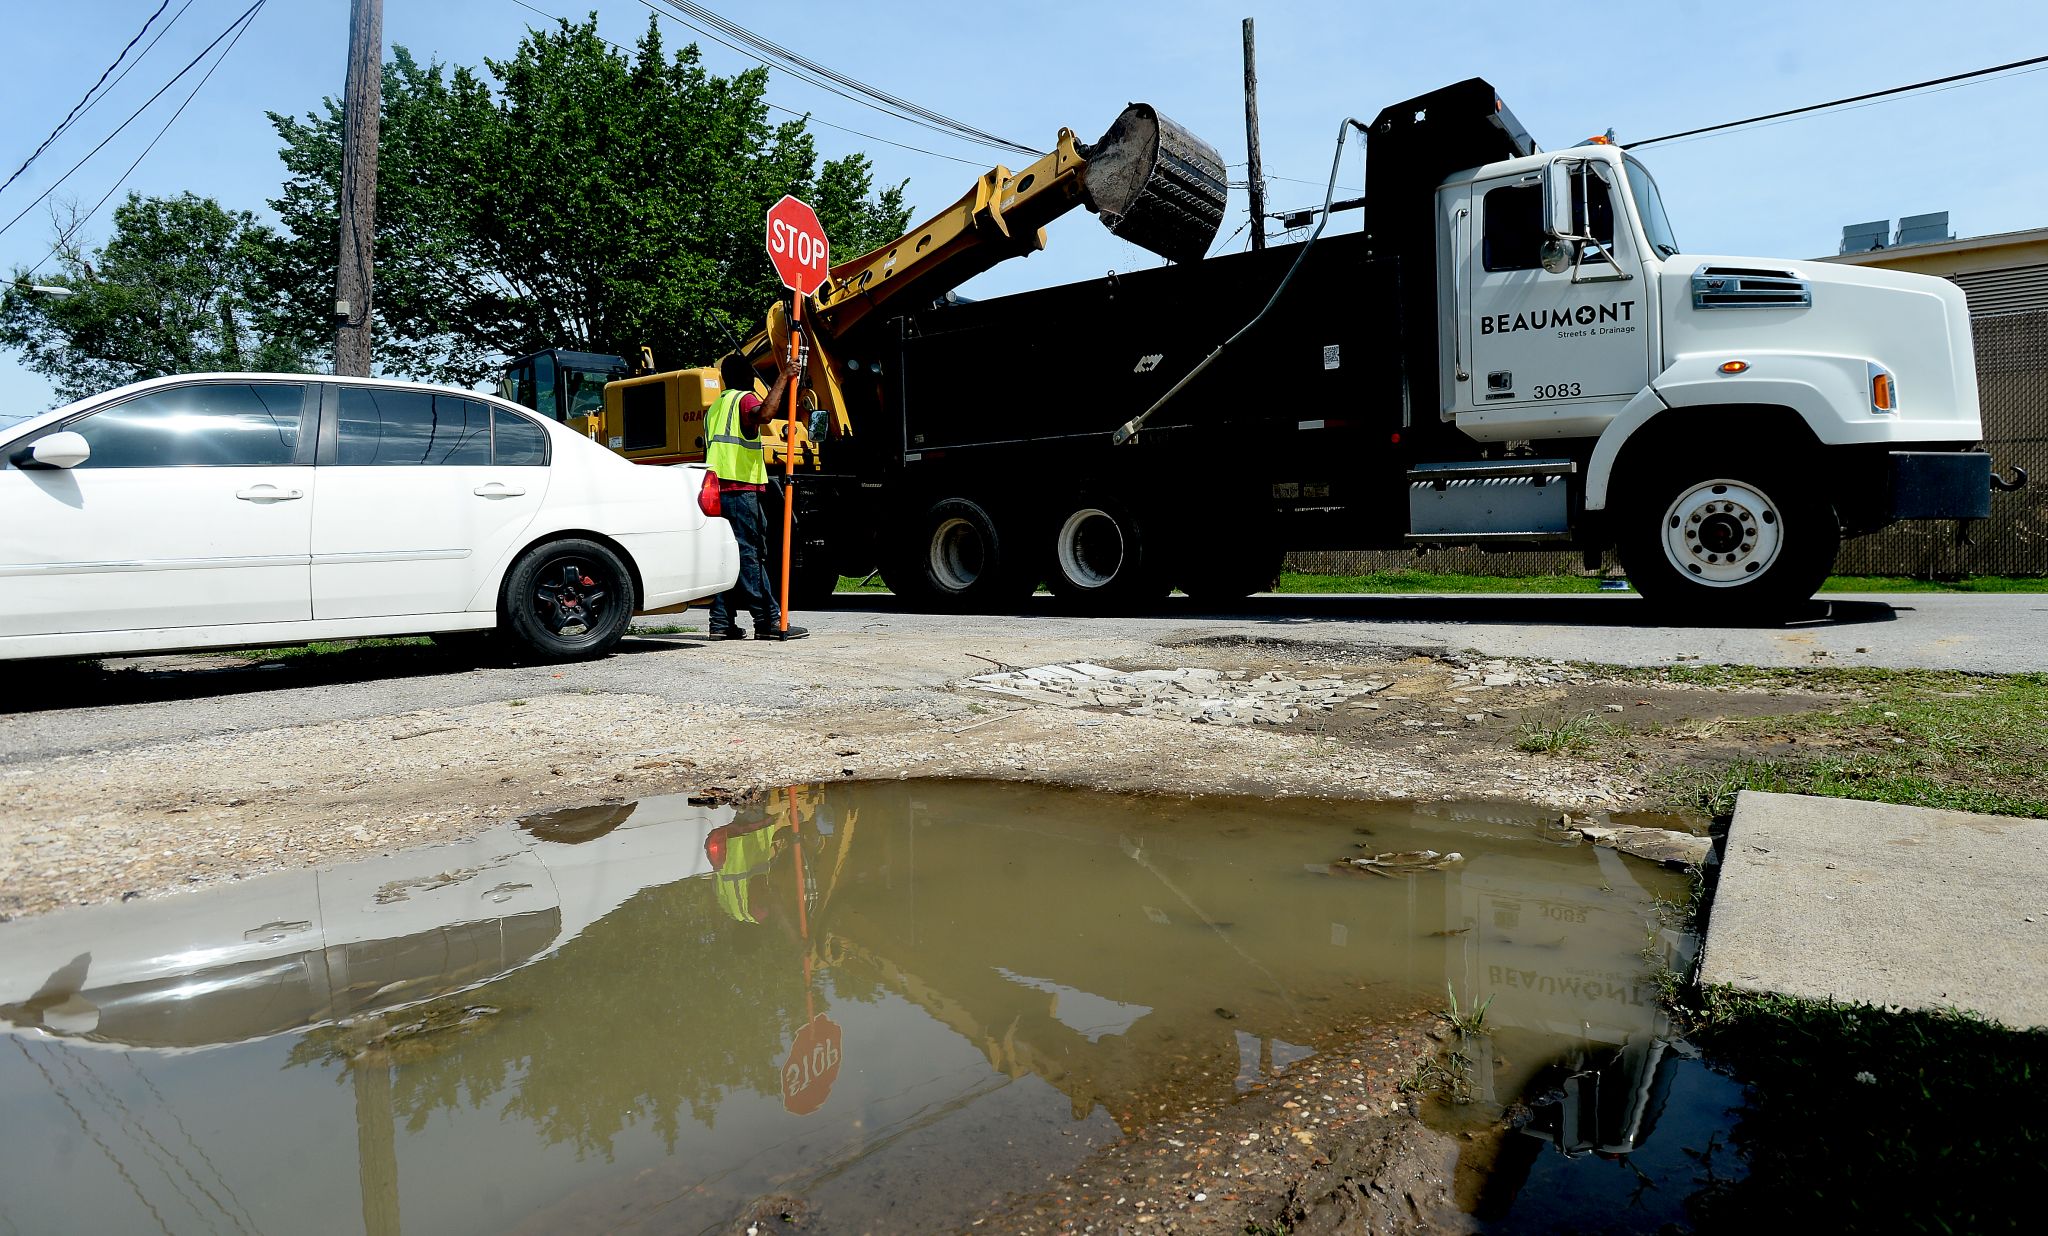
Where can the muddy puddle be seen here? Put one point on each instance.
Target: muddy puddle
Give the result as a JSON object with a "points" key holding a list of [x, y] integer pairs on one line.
{"points": [[881, 1006]]}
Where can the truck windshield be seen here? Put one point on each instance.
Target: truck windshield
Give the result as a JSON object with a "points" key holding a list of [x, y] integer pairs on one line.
{"points": [[1650, 205]]}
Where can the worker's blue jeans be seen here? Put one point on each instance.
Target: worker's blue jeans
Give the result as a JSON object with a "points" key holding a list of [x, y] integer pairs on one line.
{"points": [[752, 591]]}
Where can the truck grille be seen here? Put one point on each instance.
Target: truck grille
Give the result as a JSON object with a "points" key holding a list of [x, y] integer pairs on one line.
{"points": [[1737, 287]]}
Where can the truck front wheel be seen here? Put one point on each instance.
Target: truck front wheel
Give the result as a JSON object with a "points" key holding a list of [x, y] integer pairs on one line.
{"points": [[1105, 557], [1722, 540]]}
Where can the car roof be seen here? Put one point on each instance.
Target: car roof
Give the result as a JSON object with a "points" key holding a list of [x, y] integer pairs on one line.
{"points": [[36, 420]]}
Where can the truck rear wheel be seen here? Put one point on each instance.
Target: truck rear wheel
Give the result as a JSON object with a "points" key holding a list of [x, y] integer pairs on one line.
{"points": [[1724, 540], [955, 557], [1104, 557]]}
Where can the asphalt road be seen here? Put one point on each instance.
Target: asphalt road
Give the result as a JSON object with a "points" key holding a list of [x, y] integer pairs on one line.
{"points": [[55, 712], [1975, 633]]}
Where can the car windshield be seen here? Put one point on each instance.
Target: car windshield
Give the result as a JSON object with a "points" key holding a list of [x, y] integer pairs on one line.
{"points": [[9, 420], [1650, 206]]}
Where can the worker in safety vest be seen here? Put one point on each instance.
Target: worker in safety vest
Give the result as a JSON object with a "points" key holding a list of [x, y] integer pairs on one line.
{"points": [[733, 453]]}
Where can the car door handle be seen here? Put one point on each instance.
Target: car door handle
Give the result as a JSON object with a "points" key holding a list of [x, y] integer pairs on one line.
{"points": [[496, 490], [268, 493]]}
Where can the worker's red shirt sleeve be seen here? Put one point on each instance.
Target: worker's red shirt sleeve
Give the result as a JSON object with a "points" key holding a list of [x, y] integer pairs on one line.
{"points": [[752, 415]]}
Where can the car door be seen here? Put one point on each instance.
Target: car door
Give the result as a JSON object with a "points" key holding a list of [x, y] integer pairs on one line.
{"points": [[1573, 343], [194, 508], [417, 506]]}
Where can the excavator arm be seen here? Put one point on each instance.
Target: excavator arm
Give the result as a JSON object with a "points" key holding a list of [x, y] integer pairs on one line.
{"points": [[1149, 180]]}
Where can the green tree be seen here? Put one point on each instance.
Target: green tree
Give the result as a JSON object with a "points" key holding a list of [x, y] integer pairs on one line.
{"points": [[181, 286], [573, 195]]}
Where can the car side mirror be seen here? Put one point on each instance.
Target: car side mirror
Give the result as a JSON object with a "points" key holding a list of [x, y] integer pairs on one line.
{"points": [[63, 449], [1558, 256], [1558, 220]]}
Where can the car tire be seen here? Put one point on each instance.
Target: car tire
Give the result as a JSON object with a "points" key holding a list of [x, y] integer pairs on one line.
{"points": [[956, 556], [1104, 557], [568, 600], [1727, 540]]}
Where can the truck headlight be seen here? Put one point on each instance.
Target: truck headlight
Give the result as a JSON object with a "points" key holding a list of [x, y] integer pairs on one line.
{"points": [[1884, 390]]}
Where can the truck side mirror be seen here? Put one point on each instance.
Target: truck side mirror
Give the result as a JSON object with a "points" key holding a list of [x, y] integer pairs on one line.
{"points": [[1559, 222]]}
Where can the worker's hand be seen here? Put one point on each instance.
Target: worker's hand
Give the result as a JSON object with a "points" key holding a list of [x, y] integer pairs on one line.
{"points": [[793, 366]]}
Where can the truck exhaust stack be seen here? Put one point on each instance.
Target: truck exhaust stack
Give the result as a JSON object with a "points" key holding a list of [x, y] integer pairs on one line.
{"points": [[1156, 185]]}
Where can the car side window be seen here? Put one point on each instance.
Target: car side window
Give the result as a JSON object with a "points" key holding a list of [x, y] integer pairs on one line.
{"points": [[386, 426], [520, 442], [204, 425]]}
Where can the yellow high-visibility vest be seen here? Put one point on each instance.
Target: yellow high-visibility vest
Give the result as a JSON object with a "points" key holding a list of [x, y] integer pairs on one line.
{"points": [[729, 452]]}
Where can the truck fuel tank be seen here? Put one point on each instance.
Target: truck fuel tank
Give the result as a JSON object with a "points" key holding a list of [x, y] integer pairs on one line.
{"points": [[1156, 185]]}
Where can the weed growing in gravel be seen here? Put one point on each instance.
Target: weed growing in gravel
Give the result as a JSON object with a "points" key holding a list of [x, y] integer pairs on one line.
{"points": [[1561, 735]]}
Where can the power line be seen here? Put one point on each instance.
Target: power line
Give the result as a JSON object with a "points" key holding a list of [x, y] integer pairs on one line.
{"points": [[774, 55], [161, 91], [811, 117], [82, 220], [1854, 98], [141, 56], [87, 96]]}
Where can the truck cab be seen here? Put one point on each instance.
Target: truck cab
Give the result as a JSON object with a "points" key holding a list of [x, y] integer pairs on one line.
{"points": [[1723, 419]]}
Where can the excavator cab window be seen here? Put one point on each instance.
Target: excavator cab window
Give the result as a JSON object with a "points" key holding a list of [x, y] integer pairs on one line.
{"points": [[583, 391], [544, 401]]}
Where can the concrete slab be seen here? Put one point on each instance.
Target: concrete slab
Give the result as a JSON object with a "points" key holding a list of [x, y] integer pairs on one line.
{"points": [[1879, 904]]}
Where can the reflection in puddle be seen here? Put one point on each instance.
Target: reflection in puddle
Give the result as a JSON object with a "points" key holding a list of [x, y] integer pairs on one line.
{"points": [[890, 1002]]}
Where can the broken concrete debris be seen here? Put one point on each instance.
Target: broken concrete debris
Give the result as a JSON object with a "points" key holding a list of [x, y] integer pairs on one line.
{"points": [[1201, 696], [1658, 845], [1406, 862]]}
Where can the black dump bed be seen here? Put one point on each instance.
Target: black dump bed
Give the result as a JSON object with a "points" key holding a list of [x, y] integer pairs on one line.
{"points": [[1082, 359]]}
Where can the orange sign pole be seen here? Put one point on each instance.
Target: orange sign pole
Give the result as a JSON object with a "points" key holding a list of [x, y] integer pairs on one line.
{"points": [[789, 452]]}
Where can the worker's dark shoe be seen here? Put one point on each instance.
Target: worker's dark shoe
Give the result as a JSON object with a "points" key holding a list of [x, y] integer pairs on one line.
{"points": [[727, 633], [794, 632]]}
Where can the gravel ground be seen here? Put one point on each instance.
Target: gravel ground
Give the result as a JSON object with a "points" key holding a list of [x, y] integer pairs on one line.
{"points": [[212, 768]]}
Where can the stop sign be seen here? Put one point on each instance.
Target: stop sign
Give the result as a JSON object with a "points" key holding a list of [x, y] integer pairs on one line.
{"points": [[812, 1067], [796, 245]]}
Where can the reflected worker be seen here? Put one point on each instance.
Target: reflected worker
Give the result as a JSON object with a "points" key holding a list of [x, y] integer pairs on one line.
{"points": [[733, 453]]}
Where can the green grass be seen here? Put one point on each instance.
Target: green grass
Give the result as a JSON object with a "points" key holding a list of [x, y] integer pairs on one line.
{"points": [[329, 648], [1903, 583], [1928, 739], [1866, 1119], [1561, 735], [1434, 581], [1410, 581]]}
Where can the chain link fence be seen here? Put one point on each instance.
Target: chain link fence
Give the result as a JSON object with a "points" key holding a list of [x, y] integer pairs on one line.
{"points": [[2012, 385]]}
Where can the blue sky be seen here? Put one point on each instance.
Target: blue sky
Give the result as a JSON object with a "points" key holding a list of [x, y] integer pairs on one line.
{"points": [[1024, 71]]}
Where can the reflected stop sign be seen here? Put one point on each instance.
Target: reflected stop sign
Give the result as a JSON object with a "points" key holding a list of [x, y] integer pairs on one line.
{"points": [[812, 1067], [796, 245]]}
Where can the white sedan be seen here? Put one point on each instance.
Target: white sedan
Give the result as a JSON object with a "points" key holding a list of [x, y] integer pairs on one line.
{"points": [[237, 509]]}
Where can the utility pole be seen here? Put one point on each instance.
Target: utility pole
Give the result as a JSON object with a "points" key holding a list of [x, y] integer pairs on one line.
{"points": [[362, 105], [1254, 172]]}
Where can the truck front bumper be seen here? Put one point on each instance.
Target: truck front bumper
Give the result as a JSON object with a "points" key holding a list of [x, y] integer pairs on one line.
{"points": [[1939, 485]]}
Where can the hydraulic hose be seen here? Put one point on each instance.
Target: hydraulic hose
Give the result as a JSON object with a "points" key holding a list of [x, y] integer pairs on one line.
{"points": [[1129, 429]]}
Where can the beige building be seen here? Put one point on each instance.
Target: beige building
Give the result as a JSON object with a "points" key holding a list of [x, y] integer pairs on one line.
{"points": [[2005, 277], [2003, 273]]}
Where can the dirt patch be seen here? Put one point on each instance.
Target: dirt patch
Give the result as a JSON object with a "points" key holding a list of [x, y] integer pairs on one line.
{"points": [[161, 816], [1332, 1145]]}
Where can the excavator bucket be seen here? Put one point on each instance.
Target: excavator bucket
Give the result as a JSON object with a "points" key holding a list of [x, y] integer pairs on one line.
{"points": [[1156, 185]]}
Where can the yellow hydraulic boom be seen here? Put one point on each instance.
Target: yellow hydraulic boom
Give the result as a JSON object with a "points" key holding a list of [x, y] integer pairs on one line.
{"points": [[1151, 182]]}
